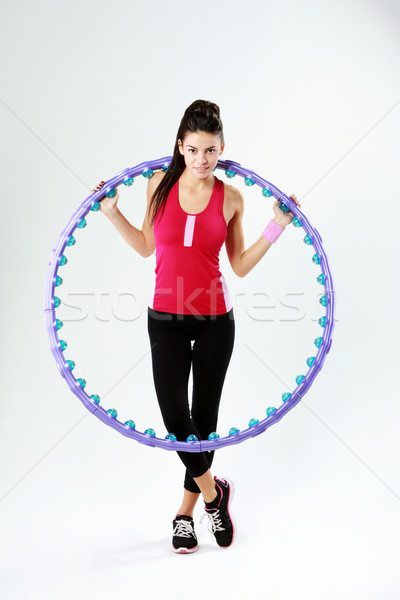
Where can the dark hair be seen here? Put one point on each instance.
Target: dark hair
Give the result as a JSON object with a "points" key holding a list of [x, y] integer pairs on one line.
{"points": [[201, 115]]}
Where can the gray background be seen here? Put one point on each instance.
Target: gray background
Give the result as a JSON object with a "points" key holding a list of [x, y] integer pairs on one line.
{"points": [[310, 98]]}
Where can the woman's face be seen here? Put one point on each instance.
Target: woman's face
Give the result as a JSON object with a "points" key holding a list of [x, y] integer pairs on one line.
{"points": [[201, 151]]}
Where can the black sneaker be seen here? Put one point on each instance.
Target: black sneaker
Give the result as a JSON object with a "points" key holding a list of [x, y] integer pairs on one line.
{"points": [[221, 523], [184, 539]]}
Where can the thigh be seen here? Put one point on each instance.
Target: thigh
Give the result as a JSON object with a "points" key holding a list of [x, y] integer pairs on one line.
{"points": [[212, 351], [171, 354]]}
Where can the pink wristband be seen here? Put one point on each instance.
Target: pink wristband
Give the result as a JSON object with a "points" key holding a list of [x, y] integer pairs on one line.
{"points": [[272, 231]]}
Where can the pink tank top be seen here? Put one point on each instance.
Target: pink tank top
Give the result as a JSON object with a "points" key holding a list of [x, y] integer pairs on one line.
{"points": [[187, 275]]}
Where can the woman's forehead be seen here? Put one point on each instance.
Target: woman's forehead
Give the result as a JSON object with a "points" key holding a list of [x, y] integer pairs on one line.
{"points": [[201, 139]]}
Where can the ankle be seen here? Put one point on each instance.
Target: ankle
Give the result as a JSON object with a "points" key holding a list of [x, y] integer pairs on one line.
{"points": [[210, 496], [182, 511]]}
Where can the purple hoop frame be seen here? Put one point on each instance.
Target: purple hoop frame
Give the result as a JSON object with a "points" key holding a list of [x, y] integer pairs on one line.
{"points": [[99, 411]]}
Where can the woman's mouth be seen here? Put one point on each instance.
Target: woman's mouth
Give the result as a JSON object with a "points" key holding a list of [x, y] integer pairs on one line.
{"points": [[201, 170]]}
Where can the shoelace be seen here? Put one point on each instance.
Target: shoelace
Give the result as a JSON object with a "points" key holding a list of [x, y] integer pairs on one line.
{"points": [[214, 520], [184, 528]]}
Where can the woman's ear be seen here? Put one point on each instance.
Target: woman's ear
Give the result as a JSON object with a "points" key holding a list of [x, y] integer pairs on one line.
{"points": [[180, 147]]}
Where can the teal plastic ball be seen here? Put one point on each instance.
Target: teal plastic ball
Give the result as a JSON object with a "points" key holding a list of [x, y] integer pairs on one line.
{"points": [[266, 193], [316, 259], [318, 341], [307, 240]]}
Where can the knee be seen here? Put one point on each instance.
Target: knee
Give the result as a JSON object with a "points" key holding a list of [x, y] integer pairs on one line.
{"points": [[205, 427], [181, 428]]}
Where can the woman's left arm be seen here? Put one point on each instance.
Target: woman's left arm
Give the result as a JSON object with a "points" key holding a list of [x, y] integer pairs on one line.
{"points": [[242, 261]]}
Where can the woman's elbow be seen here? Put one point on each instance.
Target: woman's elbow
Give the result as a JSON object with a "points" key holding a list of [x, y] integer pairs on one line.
{"points": [[148, 252], [148, 247], [239, 271]]}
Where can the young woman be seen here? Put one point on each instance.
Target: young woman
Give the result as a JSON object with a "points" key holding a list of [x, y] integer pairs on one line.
{"points": [[190, 213]]}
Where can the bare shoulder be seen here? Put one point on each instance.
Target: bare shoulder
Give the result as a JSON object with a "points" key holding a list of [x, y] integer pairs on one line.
{"points": [[152, 185], [154, 181], [234, 198]]}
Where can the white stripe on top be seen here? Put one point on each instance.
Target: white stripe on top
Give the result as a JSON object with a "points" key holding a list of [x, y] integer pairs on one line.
{"points": [[188, 239]]}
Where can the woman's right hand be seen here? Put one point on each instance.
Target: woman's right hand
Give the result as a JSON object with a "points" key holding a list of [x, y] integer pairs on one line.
{"points": [[106, 204]]}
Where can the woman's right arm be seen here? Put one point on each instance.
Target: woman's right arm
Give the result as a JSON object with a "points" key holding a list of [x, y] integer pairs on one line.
{"points": [[141, 240]]}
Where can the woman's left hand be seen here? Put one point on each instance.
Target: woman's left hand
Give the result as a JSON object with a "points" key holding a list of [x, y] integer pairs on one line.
{"points": [[281, 217]]}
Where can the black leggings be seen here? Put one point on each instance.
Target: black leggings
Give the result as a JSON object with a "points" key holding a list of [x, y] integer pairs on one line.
{"points": [[172, 355]]}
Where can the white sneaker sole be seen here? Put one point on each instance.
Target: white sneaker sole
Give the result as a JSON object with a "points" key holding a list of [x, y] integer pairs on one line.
{"points": [[185, 550]]}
